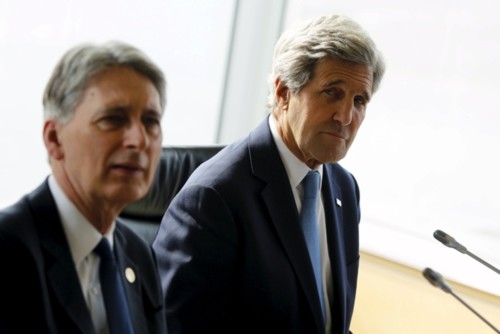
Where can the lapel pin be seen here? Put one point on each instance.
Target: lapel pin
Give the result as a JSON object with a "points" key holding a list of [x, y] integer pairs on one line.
{"points": [[339, 202], [130, 275]]}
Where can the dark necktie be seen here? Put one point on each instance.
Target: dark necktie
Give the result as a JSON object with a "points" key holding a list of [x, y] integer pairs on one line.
{"points": [[309, 223], [115, 301]]}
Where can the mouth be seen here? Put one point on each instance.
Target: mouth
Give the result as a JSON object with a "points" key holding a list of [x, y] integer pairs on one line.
{"points": [[128, 168], [335, 134]]}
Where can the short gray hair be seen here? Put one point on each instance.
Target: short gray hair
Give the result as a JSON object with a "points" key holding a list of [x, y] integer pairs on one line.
{"points": [[298, 50], [81, 63]]}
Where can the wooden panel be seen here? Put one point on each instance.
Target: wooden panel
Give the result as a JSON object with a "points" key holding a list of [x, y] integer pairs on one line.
{"points": [[395, 299]]}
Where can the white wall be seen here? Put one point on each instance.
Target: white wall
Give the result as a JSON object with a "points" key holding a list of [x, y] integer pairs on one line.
{"points": [[188, 39], [258, 26], [216, 56]]}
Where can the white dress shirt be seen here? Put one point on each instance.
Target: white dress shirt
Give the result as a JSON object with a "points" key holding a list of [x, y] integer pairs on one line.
{"points": [[82, 238], [296, 171]]}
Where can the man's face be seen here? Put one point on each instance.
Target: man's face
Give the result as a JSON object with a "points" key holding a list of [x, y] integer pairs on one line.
{"points": [[107, 154], [320, 122]]}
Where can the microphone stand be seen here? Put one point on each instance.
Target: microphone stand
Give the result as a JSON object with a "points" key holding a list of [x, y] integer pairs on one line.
{"points": [[477, 258], [474, 311], [437, 280]]}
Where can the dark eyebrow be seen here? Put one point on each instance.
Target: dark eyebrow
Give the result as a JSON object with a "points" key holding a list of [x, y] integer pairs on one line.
{"points": [[365, 94], [153, 112], [123, 109], [115, 109]]}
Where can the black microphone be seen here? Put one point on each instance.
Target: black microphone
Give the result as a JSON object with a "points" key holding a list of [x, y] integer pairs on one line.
{"points": [[449, 241], [437, 280]]}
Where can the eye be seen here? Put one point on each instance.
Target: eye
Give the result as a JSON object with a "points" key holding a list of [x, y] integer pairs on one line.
{"points": [[114, 118], [360, 101], [333, 92], [112, 121], [152, 122]]}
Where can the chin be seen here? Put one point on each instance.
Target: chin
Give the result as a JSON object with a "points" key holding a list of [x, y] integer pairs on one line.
{"points": [[128, 193], [135, 195]]}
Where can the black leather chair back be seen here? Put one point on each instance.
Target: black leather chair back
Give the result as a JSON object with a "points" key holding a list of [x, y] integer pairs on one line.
{"points": [[176, 165]]}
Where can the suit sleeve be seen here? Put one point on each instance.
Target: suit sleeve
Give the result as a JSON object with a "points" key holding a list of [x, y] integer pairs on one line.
{"points": [[21, 288], [196, 248]]}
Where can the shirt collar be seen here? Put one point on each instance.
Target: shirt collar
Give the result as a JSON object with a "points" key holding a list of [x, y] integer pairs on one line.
{"points": [[295, 168], [82, 236]]}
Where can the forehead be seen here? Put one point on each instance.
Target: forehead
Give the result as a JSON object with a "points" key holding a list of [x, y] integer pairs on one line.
{"points": [[122, 84], [329, 71], [119, 76]]}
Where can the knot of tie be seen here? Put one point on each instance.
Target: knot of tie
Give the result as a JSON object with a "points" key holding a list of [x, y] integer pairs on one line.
{"points": [[311, 184], [103, 249]]}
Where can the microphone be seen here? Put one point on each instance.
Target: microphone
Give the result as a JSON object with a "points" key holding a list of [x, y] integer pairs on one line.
{"points": [[437, 280], [449, 241]]}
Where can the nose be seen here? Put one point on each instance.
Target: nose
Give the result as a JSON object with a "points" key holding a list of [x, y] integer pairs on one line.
{"points": [[136, 136], [344, 113]]}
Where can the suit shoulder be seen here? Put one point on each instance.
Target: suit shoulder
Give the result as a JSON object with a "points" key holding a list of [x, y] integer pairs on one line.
{"points": [[343, 179], [134, 245], [22, 213], [337, 168], [341, 173], [230, 158], [18, 233], [130, 236], [13, 217]]}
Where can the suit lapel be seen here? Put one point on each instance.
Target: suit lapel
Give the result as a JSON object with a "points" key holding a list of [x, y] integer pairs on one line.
{"points": [[278, 197], [60, 269], [131, 280]]}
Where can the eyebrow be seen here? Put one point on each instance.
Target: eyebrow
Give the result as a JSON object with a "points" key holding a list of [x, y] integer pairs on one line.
{"points": [[365, 93], [155, 112], [124, 109]]}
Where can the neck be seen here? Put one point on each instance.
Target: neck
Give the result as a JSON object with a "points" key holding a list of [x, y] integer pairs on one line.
{"points": [[99, 212]]}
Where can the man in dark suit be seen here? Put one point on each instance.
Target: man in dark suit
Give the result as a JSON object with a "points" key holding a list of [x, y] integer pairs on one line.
{"points": [[233, 257], [102, 111]]}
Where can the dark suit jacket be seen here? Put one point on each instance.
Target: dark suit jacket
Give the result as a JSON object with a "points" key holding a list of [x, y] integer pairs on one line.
{"points": [[231, 253], [39, 287]]}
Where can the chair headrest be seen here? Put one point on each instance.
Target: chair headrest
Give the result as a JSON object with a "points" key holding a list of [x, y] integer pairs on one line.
{"points": [[175, 166]]}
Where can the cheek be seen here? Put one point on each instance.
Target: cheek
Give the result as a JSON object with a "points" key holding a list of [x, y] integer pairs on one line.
{"points": [[357, 120], [156, 144], [360, 116], [155, 158], [155, 152], [355, 125]]}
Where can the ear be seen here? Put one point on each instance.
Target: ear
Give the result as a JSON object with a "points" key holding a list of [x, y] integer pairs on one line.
{"points": [[281, 93], [51, 129]]}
